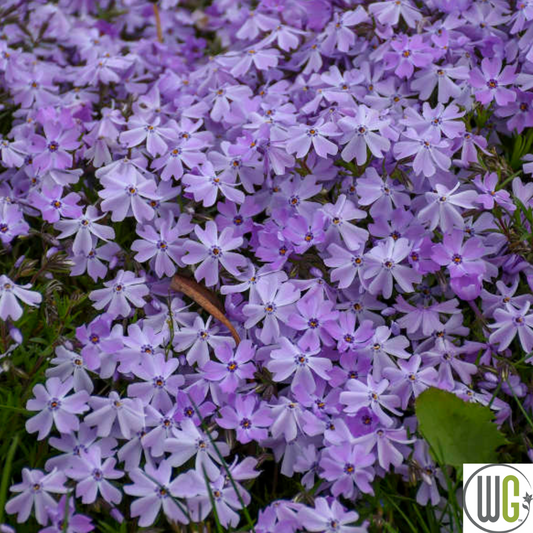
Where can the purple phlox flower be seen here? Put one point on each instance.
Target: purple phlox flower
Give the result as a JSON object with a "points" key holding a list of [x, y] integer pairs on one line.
{"points": [[292, 359], [125, 195], [442, 77], [460, 258], [442, 209], [276, 303], [490, 82], [289, 419], [303, 136], [339, 216], [490, 196], [72, 444], [329, 517], [192, 404], [250, 418], [431, 476], [159, 426], [160, 381], [119, 293], [258, 56], [10, 294], [506, 295], [53, 151], [469, 144], [447, 357], [53, 205], [382, 346], [189, 441], [401, 223], [273, 247], [63, 514], [353, 365], [410, 380], [150, 132], [127, 415], [249, 170], [212, 250], [226, 93], [85, 228], [12, 223], [372, 395], [430, 151], [92, 476], [12, 153], [286, 37], [101, 341], [152, 486], [139, 345], [406, 54], [55, 407], [316, 318], [383, 266], [162, 244], [362, 304], [388, 13], [255, 22], [223, 495], [187, 153], [382, 195], [35, 492], [305, 232], [206, 186], [277, 517], [350, 338], [350, 468], [295, 194], [441, 119], [338, 34], [388, 443], [234, 368], [197, 339], [359, 134], [520, 112], [68, 363], [92, 261], [345, 266], [341, 87], [238, 217], [250, 279], [424, 316], [509, 322]]}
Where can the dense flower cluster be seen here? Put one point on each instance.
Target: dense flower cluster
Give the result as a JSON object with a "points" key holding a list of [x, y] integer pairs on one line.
{"points": [[331, 171]]}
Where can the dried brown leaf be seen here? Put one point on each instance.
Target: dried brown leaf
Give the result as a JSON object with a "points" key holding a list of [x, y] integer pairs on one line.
{"points": [[205, 299]]}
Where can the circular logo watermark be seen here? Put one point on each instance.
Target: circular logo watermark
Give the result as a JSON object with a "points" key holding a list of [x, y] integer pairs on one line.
{"points": [[497, 498]]}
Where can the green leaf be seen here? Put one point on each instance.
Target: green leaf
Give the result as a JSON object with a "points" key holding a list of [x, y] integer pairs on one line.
{"points": [[457, 431]]}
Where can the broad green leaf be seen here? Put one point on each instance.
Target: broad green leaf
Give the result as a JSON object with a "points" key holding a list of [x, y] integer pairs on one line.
{"points": [[457, 431]]}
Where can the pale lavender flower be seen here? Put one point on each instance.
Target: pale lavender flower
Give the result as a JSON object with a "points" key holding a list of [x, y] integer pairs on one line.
{"points": [[189, 442], [92, 476], [372, 395], [56, 408], [509, 322], [152, 487], [35, 492], [292, 359], [119, 293], [276, 304], [212, 250], [10, 294], [124, 413], [383, 266]]}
